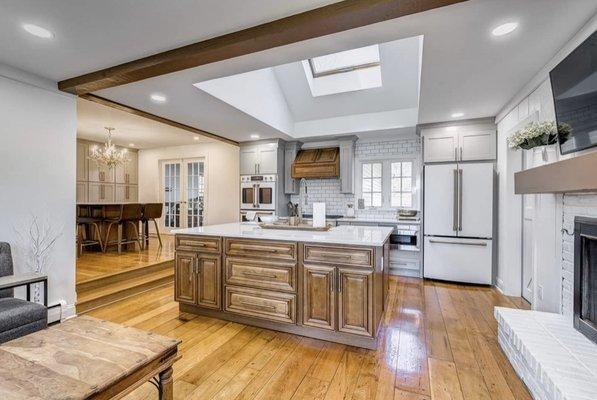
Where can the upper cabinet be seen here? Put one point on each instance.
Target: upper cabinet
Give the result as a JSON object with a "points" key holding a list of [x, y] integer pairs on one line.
{"points": [[317, 163], [127, 173], [96, 183], [459, 143], [291, 185], [260, 158], [347, 164]]}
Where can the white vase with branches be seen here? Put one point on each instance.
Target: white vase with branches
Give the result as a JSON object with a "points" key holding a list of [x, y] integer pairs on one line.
{"points": [[38, 240]]}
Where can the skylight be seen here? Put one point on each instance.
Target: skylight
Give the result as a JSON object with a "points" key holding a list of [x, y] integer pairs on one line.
{"points": [[345, 61]]}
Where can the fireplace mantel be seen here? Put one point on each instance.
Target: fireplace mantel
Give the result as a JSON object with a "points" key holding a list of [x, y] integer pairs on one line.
{"points": [[574, 175]]}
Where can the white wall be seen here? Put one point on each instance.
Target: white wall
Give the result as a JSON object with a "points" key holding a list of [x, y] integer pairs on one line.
{"points": [[551, 249], [38, 128], [222, 177]]}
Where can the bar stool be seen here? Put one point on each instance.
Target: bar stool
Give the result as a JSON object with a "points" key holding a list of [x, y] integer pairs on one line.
{"points": [[129, 214], [86, 226], [151, 212]]}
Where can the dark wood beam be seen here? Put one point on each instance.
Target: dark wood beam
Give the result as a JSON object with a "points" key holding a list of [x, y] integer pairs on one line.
{"points": [[327, 20], [153, 117]]}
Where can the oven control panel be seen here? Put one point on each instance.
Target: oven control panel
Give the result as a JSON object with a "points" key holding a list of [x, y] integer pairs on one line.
{"points": [[257, 178]]}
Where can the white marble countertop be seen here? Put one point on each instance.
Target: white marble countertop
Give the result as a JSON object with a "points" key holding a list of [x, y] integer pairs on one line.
{"points": [[346, 234]]}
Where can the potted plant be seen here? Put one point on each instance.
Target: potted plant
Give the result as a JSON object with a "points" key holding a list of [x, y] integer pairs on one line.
{"points": [[538, 134]]}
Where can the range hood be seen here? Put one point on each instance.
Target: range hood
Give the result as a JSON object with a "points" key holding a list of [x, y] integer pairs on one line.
{"points": [[317, 163]]}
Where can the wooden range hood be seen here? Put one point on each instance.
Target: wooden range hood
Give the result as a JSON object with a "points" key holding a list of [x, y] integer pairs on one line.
{"points": [[317, 163], [577, 174]]}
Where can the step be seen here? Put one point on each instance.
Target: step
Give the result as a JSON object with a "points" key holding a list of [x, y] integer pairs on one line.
{"points": [[90, 299], [119, 276]]}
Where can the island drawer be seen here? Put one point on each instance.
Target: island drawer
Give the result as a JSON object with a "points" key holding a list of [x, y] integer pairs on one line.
{"points": [[260, 249], [273, 306], [261, 274], [356, 256], [198, 243]]}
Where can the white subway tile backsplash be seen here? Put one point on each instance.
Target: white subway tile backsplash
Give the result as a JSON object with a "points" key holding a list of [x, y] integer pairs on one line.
{"points": [[328, 190]]}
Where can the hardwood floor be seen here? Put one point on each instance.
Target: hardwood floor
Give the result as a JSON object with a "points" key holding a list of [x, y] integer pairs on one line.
{"points": [[92, 265], [438, 341]]}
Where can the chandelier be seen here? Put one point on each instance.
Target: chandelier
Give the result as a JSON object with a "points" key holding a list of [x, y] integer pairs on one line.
{"points": [[108, 154]]}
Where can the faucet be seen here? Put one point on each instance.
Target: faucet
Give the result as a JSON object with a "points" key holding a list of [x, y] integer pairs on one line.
{"points": [[303, 201]]}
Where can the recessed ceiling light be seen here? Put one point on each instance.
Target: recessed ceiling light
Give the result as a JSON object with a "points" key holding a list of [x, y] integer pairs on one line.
{"points": [[196, 138], [504, 29], [38, 31], [457, 115], [158, 98], [254, 136]]}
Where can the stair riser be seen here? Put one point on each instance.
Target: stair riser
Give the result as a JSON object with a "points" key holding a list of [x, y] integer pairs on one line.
{"points": [[122, 294], [123, 276]]}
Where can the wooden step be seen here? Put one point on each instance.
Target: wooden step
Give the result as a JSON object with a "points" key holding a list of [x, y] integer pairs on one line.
{"points": [[124, 287], [119, 276]]}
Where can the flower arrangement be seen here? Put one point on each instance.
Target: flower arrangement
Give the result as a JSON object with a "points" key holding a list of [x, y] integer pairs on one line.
{"points": [[536, 134]]}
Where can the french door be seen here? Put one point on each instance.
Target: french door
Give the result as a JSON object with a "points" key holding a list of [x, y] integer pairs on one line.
{"points": [[183, 193]]}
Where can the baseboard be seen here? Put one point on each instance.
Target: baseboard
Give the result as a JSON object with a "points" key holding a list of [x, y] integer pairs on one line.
{"points": [[61, 311], [499, 285]]}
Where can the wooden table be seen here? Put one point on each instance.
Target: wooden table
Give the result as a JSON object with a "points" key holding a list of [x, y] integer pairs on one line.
{"points": [[86, 358]]}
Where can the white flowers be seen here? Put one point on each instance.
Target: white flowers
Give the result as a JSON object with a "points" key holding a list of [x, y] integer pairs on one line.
{"points": [[537, 134]]}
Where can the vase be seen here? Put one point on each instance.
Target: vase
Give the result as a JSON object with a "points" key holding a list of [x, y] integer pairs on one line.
{"points": [[544, 155]]}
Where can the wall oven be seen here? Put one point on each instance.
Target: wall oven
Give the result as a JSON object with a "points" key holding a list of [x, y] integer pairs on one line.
{"points": [[258, 192]]}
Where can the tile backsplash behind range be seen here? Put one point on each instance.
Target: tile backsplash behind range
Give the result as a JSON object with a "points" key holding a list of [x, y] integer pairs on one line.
{"points": [[328, 190]]}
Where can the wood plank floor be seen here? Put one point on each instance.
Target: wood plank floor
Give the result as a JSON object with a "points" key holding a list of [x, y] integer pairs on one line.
{"points": [[438, 341], [94, 264]]}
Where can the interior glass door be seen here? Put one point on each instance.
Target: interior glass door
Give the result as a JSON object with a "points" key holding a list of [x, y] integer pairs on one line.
{"points": [[183, 193], [195, 193], [172, 197]]}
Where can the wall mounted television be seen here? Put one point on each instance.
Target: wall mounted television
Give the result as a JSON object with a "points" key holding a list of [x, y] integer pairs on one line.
{"points": [[574, 86]]}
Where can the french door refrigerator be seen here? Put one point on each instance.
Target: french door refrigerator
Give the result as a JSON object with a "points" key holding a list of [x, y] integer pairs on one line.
{"points": [[458, 222]]}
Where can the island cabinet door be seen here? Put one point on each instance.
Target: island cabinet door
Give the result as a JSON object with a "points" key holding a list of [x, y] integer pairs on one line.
{"points": [[209, 281], [355, 301], [185, 277], [319, 297]]}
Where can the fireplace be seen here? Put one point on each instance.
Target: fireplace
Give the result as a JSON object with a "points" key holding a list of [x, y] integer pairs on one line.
{"points": [[585, 276]]}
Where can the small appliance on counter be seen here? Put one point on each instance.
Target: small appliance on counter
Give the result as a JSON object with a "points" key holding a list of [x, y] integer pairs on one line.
{"points": [[350, 210]]}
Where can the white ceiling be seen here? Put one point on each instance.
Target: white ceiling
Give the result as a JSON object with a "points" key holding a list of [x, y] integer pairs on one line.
{"points": [[464, 68], [142, 132], [92, 34]]}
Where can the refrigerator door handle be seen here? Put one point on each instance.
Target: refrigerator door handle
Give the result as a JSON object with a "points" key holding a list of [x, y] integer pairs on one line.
{"points": [[460, 243], [455, 202], [459, 199]]}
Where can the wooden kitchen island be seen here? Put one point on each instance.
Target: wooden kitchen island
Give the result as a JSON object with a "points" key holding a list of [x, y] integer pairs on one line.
{"points": [[326, 285]]}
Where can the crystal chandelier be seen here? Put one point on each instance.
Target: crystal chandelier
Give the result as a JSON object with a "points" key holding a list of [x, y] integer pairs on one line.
{"points": [[108, 154]]}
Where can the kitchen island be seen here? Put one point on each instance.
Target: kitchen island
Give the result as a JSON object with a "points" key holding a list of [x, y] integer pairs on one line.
{"points": [[328, 285]]}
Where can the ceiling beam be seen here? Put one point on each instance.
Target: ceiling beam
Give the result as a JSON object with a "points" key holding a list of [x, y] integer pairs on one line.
{"points": [[153, 117], [327, 20]]}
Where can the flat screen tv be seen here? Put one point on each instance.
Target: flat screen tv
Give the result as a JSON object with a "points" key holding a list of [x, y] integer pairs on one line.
{"points": [[574, 86]]}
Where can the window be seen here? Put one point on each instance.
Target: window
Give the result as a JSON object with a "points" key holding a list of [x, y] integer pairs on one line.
{"points": [[388, 184], [372, 184], [401, 190], [345, 61]]}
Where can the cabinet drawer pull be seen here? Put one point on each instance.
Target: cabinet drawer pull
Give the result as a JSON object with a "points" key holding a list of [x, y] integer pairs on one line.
{"points": [[259, 275], [258, 306], [259, 248], [336, 255]]}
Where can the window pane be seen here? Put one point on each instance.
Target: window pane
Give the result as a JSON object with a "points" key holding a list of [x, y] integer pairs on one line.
{"points": [[366, 185], [407, 168], [407, 199], [395, 184], [376, 185], [406, 184], [395, 169], [367, 199], [376, 200], [377, 170], [366, 170], [396, 200]]}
